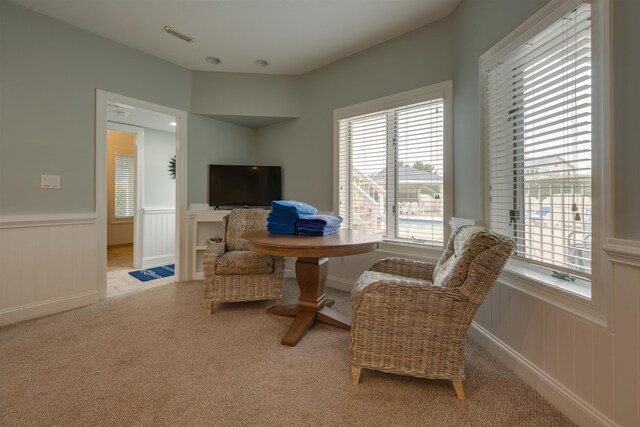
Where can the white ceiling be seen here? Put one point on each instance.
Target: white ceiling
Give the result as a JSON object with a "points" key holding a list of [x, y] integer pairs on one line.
{"points": [[130, 115], [295, 36]]}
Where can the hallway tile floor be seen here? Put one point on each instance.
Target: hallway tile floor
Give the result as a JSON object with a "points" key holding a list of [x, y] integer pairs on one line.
{"points": [[119, 281]]}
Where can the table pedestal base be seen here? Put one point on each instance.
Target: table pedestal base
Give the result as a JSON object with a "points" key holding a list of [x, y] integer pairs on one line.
{"points": [[312, 305]]}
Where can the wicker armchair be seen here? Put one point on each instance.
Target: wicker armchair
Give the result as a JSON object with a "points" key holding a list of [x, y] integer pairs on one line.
{"points": [[411, 317], [234, 273]]}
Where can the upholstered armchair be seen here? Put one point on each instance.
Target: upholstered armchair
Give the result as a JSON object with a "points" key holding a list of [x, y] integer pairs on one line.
{"points": [[411, 317], [234, 273]]}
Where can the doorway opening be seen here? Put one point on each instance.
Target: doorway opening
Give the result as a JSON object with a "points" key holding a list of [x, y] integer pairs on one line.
{"points": [[140, 193]]}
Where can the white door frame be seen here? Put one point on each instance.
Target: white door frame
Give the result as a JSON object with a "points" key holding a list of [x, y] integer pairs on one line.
{"points": [[139, 194], [102, 99]]}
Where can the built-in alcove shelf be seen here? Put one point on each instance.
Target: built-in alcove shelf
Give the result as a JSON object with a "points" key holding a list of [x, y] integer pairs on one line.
{"points": [[204, 224]]}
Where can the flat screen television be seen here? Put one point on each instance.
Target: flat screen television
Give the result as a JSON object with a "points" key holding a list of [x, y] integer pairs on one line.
{"points": [[234, 185]]}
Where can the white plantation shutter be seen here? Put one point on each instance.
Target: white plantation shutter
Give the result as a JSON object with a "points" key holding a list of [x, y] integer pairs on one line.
{"points": [[538, 133], [124, 185], [391, 168]]}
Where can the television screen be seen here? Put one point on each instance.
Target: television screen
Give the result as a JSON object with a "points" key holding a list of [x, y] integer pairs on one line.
{"points": [[232, 185]]}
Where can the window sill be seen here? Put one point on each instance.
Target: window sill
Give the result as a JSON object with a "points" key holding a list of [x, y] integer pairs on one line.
{"points": [[422, 251], [128, 220], [580, 288], [574, 297]]}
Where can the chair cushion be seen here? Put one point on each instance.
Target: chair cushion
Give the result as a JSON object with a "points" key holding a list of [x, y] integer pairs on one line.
{"points": [[244, 262], [241, 221], [369, 277], [464, 246]]}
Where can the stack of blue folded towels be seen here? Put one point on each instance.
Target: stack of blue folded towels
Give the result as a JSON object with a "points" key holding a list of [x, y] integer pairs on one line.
{"points": [[285, 214], [318, 225]]}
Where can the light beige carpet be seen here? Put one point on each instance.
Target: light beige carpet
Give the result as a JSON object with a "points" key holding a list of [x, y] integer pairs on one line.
{"points": [[157, 358]]}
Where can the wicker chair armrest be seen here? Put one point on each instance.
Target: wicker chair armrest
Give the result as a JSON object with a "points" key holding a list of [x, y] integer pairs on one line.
{"points": [[210, 259], [402, 290], [405, 267]]}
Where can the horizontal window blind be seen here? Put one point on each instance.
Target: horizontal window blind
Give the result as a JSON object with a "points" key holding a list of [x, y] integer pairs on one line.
{"points": [[538, 130], [124, 185], [391, 167]]}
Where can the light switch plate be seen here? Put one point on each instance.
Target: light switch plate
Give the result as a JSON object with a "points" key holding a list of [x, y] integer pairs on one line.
{"points": [[50, 181]]}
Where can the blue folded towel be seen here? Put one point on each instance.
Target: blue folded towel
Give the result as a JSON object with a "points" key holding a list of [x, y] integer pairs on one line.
{"points": [[281, 228], [324, 232], [277, 228], [283, 218], [285, 214], [281, 221], [281, 225], [282, 232], [319, 225], [293, 206], [319, 221]]}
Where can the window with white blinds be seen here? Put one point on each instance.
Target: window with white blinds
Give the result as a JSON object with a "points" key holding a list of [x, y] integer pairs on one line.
{"points": [[124, 185], [538, 133], [391, 171]]}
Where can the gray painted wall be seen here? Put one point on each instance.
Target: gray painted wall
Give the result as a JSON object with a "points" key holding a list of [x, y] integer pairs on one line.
{"points": [[626, 69], [243, 94], [476, 26], [447, 49], [49, 71], [304, 146], [159, 188], [215, 142]]}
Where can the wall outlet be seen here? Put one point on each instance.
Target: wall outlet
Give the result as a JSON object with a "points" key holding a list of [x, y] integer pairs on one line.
{"points": [[50, 181]]}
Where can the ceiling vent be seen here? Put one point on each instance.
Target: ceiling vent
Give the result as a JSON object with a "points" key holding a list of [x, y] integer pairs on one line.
{"points": [[167, 29]]}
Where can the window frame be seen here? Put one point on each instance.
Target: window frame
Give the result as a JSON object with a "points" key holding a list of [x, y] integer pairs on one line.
{"points": [[526, 277], [442, 90], [111, 179], [132, 173]]}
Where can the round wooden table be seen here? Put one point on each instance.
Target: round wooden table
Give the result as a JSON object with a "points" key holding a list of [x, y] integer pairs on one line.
{"points": [[312, 267]]}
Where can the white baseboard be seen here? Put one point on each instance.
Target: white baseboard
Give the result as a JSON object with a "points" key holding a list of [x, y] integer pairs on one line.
{"points": [[45, 308], [332, 281], [570, 404], [156, 261], [339, 284]]}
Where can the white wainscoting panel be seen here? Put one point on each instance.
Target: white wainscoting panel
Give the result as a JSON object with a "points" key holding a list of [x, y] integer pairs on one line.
{"points": [[589, 372], [48, 264], [158, 237]]}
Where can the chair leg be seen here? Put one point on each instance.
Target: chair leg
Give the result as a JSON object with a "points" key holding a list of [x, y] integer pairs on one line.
{"points": [[278, 301], [457, 385], [210, 307], [355, 375]]}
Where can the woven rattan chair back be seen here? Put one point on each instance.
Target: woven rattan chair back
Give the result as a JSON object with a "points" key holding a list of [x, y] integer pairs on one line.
{"points": [[405, 323]]}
